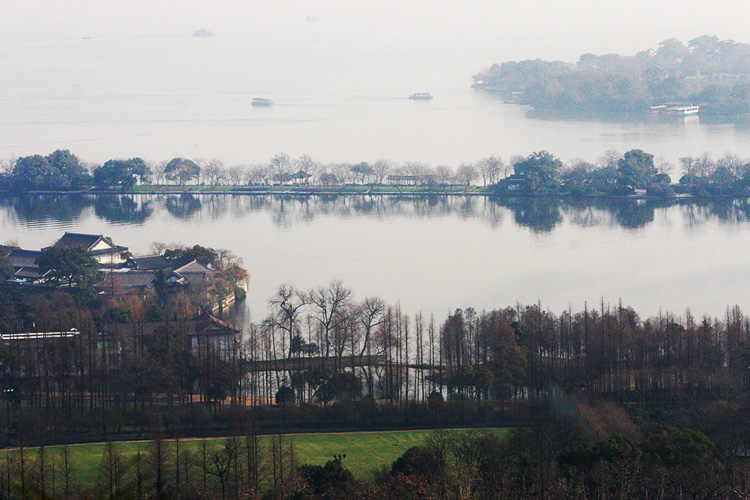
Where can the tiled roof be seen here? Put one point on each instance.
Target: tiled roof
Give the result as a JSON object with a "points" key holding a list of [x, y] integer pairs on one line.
{"points": [[193, 277], [151, 262], [23, 258], [78, 240], [194, 267], [27, 273]]}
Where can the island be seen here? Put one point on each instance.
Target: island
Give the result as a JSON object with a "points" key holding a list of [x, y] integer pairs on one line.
{"points": [[708, 74]]}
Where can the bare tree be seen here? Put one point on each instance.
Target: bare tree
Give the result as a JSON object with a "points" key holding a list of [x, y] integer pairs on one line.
{"points": [[307, 165], [490, 169], [382, 169], [69, 476], [253, 459], [280, 166], [329, 303], [664, 166], [580, 164], [258, 174], [286, 306], [342, 171], [41, 473], [466, 174], [158, 463], [213, 171], [732, 162], [704, 165], [443, 173], [610, 158], [415, 168], [6, 166], [111, 472], [221, 463], [158, 170]]}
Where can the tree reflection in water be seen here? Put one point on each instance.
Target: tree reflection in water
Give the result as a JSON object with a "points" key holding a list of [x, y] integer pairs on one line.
{"points": [[123, 209], [537, 214], [55, 207], [184, 206]]}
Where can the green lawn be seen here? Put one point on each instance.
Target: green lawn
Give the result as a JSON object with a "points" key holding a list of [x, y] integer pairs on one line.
{"points": [[364, 451]]}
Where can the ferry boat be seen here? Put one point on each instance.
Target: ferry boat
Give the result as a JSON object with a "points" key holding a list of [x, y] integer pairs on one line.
{"points": [[676, 109], [421, 96], [683, 110], [257, 101], [202, 33]]}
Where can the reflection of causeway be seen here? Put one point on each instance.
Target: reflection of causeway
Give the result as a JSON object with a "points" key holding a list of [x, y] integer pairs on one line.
{"points": [[537, 214]]}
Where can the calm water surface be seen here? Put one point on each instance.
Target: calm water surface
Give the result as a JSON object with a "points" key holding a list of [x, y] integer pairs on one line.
{"points": [[434, 254], [114, 81]]}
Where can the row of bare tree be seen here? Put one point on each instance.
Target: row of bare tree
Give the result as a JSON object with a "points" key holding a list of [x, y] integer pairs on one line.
{"points": [[322, 356]]}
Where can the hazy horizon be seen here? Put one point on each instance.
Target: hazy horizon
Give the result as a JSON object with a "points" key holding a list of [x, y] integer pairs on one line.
{"points": [[111, 79]]}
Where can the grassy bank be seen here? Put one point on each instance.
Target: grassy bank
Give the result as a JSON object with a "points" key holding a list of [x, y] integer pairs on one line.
{"points": [[365, 451]]}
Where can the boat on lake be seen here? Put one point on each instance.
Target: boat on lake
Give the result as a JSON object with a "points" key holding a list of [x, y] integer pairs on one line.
{"points": [[202, 33], [683, 110], [258, 101], [421, 96], [676, 109]]}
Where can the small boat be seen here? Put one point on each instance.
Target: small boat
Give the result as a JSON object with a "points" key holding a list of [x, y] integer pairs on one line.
{"points": [[676, 109], [257, 101], [683, 110], [421, 96], [202, 33]]}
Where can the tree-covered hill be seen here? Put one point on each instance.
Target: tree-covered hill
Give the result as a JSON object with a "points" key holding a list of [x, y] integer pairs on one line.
{"points": [[708, 71]]}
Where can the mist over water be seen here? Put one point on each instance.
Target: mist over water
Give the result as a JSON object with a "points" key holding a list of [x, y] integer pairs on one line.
{"points": [[112, 80]]}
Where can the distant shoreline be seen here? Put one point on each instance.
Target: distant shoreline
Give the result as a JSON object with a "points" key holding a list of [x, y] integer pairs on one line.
{"points": [[475, 191]]}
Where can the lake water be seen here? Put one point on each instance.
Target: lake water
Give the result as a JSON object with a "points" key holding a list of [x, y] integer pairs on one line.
{"points": [[434, 254], [121, 81], [124, 79]]}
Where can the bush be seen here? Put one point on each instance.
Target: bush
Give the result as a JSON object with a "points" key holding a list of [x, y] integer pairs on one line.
{"points": [[240, 294], [660, 191], [284, 395]]}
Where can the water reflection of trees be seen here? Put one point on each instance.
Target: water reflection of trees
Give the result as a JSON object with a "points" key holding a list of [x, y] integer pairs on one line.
{"points": [[731, 211], [123, 209], [33, 208], [289, 210], [536, 214], [184, 206]]}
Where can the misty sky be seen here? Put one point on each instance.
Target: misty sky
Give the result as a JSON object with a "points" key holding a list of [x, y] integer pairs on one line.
{"points": [[117, 79], [530, 29]]}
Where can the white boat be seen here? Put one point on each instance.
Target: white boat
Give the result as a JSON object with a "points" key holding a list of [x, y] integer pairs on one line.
{"points": [[683, 110], [676, 109], [257, 101], [421, 96], [202, 33]]}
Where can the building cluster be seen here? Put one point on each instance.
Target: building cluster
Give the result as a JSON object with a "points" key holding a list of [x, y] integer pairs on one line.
{"points": [[122, 274]]}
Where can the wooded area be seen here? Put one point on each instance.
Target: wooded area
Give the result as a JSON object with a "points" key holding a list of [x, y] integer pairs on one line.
{"points": [[708, 71]]}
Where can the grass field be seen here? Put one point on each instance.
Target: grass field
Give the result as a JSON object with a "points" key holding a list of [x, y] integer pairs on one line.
{"points": [[365, 451]]}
